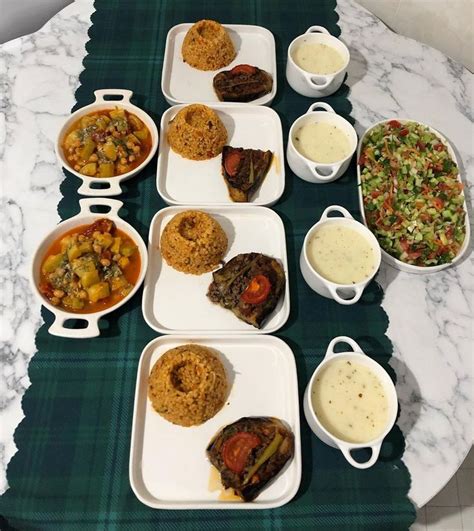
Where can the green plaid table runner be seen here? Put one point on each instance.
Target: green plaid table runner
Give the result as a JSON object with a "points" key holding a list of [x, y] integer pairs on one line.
{"points": [[71, 469]]}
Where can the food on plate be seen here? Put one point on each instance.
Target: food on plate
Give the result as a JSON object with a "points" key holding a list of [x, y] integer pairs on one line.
{"points": [[350, 401], [250, 285], [243, 83], [193, 242], [244, 170], [188, 385], [207, 46], [197, 133], [341, 254], [318, 58], [90, 268], [107, 143], [250, 452], [322, 142], [413, 198]]}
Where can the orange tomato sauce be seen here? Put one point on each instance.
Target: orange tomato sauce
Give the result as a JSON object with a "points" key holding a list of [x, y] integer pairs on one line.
{"points": [[131, 272]]}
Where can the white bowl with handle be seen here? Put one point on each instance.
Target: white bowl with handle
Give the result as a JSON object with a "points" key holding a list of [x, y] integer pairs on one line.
{"points": [[318, 172], [101, 104], [342, 293], [358, 356], [85, 217], [310, 84]]}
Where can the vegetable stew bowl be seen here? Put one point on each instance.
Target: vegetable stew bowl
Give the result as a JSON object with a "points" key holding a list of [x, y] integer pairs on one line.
{"points": [[100, 104], [386, 257], [85, 216]]}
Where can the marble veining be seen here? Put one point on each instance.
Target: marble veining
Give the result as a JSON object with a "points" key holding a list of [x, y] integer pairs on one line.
{"points": [[430, 316], [39, 74]]}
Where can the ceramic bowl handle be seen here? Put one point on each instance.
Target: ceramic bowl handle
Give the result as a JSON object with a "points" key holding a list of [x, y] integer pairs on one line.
{"points": [[317, 29], [100, 95], [313, 80], [91, 330], [342, 339], [352, 300], [346, 452], [323, 177], [335, 208], [113, 188], [320, 105], [113, 204]]}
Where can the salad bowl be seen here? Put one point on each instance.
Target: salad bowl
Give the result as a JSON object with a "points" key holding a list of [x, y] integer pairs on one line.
{"points": [[388, 258]]}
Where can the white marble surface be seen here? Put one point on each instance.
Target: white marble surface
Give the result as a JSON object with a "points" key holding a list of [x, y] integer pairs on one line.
{"points": [[430, 316]]}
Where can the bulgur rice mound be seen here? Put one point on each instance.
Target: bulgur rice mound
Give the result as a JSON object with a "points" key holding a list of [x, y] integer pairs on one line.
{"points": [[188, 385], [197, 133], [207, 46], [193, 242]]}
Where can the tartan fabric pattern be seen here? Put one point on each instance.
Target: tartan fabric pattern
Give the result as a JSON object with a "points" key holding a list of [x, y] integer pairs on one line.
{"points": [[71, 469]]}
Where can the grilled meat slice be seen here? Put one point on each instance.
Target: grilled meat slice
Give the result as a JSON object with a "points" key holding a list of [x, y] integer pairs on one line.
{"points": [[238, 286], [244, 170], [243, 83], [250, 452]]}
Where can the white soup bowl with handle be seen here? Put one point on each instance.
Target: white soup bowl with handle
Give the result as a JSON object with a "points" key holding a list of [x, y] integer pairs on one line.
{"points": [[311, 84], [319, 172], [356, 356], [342, 293]]}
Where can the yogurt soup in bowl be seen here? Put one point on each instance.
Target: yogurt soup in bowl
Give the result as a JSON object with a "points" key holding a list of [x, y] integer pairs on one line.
{"points": [[340, 256], [317, 63], [350, 402], [320, 144]]}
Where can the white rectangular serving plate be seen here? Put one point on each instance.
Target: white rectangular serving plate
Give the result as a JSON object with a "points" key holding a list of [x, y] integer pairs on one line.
{"points": [[183, 181], [168, 464], [175, 302], [181, 83]]}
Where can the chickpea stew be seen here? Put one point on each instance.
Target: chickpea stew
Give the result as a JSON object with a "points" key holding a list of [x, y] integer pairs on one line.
{"points": [[107, 143], [90, 268]]}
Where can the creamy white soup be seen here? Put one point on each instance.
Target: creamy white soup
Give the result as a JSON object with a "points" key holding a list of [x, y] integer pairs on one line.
{"points": [[322, 142], [341, 254], [318, 58], [350, 401]]}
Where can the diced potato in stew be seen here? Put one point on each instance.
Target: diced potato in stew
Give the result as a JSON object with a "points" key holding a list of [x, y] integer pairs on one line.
{"points": [[90, 268], [107, 143]]}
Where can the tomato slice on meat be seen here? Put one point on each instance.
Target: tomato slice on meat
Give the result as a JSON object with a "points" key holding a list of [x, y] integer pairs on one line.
{"points": [[257, 291], [232, 162], [236, 450], [243, 69]]}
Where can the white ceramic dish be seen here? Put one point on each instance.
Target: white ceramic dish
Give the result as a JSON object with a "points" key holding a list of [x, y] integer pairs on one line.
{"points": [[387, 258], [307, 83], [341, 293], [181, 83], [182, 181], [168, 464], [174, 302], [85, 217], [357, 356], [102, 102], [317, 172]]}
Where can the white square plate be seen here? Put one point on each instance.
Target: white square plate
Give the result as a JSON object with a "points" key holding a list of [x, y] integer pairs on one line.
{"points": [[175, 302], [169, 468], [183, 181], [181, 83]]}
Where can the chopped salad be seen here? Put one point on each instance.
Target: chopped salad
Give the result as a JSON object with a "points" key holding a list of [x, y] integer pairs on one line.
{"points": [[413, 198]]}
